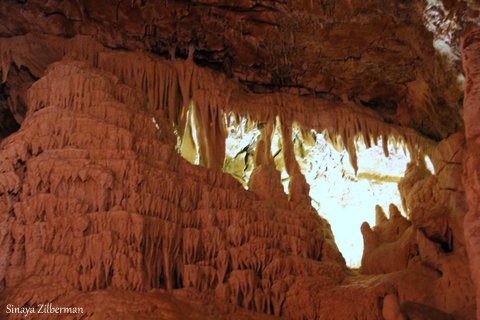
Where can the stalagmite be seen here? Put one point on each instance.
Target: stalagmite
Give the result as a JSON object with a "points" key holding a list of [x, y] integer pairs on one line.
{"points": [[380, 216], [265, 179]]}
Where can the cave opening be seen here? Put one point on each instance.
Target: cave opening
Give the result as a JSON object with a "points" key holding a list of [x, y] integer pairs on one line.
{"points": [[346, 197]]}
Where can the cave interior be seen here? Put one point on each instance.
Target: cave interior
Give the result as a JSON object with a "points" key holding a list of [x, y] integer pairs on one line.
{"points": [[252, 159]]}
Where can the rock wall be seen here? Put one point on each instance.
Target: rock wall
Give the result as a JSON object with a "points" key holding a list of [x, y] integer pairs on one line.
{"points": [[431, 241], [471, 65]]}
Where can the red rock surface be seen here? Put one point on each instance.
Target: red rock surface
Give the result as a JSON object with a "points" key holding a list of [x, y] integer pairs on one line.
{"points": [[98, 209], [471, 64]]}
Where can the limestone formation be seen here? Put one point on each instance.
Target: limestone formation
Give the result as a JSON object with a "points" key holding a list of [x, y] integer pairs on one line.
{"points": [[115, 194]]}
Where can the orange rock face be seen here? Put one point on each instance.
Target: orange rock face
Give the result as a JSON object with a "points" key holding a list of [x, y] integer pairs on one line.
{"points": [[471, 63], [95, 197], [98, 210]]}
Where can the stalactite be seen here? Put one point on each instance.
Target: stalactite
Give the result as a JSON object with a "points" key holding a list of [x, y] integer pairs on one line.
{"points": [[170, 86], [105, 202]]}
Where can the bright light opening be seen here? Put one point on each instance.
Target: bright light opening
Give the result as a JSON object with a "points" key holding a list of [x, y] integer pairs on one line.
{"points": [[241, 143], [242, 138], [347, 200], [277, 154]]}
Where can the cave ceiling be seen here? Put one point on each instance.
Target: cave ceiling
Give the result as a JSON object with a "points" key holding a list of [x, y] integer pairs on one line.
{"points": [[378, 55]]}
